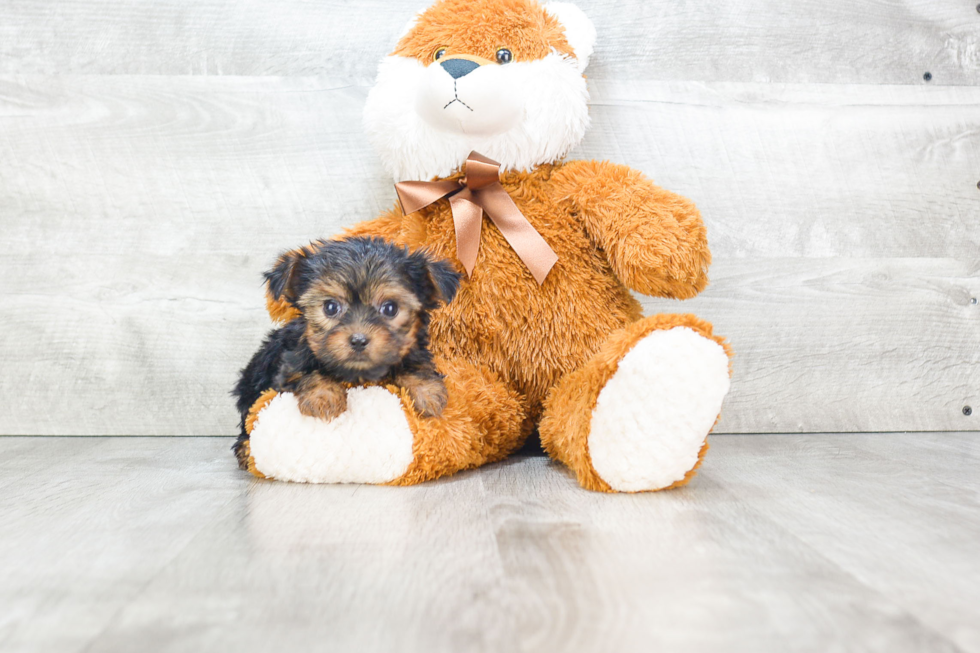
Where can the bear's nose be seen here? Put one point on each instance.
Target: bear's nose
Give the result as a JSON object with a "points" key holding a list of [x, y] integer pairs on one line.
{"points": [[459, 67], [358, 341]]}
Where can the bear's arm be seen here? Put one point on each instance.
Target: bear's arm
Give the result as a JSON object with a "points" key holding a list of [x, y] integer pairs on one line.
{"points": [[654, 240], [386, 226]]}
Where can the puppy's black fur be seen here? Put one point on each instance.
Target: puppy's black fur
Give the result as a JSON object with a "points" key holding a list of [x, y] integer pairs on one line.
{"points": [[365, 310]]}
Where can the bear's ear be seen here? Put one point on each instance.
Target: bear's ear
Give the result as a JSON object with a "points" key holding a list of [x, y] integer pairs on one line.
{"points": [[410, 24], [579, 30], [282, 279]]}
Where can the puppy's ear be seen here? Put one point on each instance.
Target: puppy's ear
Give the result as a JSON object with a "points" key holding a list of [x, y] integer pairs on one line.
{"points": [[445, 279], [283, 278], [436, 281]]}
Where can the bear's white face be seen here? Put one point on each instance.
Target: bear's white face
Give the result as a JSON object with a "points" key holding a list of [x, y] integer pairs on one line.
{"points": [[462, 96], [442, 95]]}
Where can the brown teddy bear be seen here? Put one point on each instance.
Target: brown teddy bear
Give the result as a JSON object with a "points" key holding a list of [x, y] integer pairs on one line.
{"points": [[544, 334]]}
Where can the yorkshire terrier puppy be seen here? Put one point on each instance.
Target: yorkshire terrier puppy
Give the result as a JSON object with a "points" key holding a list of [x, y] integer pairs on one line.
{"points": [[364, 307]]}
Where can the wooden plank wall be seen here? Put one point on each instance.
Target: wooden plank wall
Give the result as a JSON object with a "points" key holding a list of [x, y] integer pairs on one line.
{"points": [[154, 157]]}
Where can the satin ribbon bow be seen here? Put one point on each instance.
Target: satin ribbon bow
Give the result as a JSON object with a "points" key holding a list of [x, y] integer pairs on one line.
{"points": [[478, 191]]}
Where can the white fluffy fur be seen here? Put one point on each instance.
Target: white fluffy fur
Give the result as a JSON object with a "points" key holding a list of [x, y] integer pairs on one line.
{"points": [[653, 415], [579, 30], [473, 104], [550, 96], [370, 443]]}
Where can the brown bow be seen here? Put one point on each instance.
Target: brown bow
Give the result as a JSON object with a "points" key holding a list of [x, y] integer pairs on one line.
{"points": [[478, 191]]}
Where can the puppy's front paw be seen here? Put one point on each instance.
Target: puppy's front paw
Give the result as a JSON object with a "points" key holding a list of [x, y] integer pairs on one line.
{"points": [[321, 398], [428, 394]]}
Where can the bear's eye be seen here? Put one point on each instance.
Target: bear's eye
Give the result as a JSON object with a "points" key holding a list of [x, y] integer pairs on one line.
{"points": [[438, 54], [504, 56], [331, 308], [389, 309]]}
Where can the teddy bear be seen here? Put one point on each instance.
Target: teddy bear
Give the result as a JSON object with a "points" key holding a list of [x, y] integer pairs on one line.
{"points": [[473, 114]]}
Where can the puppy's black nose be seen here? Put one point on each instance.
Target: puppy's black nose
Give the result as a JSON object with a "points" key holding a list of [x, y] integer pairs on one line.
{"points": [[459, 67], [358, 341]]}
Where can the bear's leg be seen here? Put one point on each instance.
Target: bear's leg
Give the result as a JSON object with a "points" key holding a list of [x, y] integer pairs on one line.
{"points": [[636, 417], [380, 439]]}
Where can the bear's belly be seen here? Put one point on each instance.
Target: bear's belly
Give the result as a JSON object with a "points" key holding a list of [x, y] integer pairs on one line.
{"points": [[529, 334]]}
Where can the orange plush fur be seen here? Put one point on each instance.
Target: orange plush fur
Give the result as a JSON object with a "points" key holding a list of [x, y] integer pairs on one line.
{"points": [[518, 355], [480, 29]]}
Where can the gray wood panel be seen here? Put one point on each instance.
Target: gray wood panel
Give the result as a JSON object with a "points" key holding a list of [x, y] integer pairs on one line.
{"points": [[138, 213], [806, 170], [845, 344], [810, 41], [782, 543]]}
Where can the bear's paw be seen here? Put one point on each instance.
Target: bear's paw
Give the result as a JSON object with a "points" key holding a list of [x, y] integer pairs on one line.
{"points": [[652, 417], [369, 443]]}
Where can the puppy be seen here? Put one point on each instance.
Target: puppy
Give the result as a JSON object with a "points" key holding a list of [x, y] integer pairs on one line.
{"points": [[364, 318]]}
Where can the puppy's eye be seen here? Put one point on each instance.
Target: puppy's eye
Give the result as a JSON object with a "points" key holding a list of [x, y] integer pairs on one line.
{"points": [[331, 308], [439, 54], [389, 309], [504, 56]]}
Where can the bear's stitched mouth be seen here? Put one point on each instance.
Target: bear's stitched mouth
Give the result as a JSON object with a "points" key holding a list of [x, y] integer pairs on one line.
{"points": [[456, 98]]}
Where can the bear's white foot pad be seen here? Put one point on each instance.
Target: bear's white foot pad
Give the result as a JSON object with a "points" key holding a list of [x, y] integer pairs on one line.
{"points": [[369, 443], [653, 415]]}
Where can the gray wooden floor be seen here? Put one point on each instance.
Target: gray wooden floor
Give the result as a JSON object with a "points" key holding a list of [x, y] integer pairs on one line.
{"points": [[783, 543]]}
